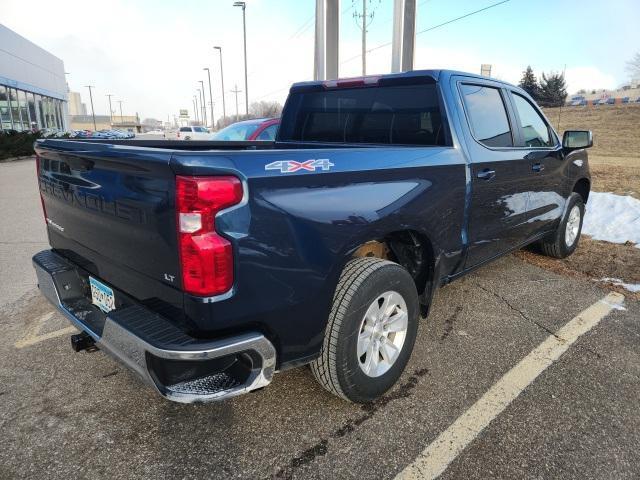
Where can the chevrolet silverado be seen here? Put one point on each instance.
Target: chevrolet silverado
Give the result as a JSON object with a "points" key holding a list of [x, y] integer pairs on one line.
{"points": [[206, 266]]}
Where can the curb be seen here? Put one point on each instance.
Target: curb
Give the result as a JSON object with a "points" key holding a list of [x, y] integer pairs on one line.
{"points": [[15, 159]]}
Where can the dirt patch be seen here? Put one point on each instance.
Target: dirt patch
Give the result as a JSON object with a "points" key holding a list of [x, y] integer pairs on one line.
{"points": [[619, 179], [594, 260], [616, 128]]}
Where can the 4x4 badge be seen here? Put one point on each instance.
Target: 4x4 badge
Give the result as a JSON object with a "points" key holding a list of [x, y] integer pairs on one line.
{"points": [[291, 166]]}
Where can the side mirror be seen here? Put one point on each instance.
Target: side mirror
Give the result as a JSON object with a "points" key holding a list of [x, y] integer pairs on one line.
{"points": [[575, 139]]}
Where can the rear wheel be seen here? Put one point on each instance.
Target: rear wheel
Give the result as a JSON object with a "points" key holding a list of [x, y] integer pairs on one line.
{"points": [[371, 330], [564, 240]]}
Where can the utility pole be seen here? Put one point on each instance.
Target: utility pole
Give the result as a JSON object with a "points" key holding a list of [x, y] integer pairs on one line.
{"points": [[224, 107], [404, 35], [363, 20], [121, 120], [236, 91], [195, 99], [210, 96], [110, 110], [244, 28], [92, 112], [204, 104]]}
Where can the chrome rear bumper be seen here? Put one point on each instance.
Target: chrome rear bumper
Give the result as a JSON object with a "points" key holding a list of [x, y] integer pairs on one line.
{"points": [[181, 368]]}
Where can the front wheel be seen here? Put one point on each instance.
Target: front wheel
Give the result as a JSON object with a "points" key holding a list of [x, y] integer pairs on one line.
{"points": [[564, 240], [371, 330]]}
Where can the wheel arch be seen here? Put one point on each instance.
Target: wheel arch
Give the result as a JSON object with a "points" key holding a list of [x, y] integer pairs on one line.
{"points": [[412, 249], [582, 187]]}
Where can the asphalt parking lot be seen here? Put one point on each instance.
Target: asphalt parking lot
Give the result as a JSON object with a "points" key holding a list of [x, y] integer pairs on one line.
{"points": [[65, 414]]}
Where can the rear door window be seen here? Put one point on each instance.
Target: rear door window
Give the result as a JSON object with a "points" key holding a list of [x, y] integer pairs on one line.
{"points": [[399, 114], [487, 115], [535, 130]]}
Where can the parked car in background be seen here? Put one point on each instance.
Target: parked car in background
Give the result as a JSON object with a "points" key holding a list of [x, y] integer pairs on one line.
{"points": [[193, 133], [256, 129]]}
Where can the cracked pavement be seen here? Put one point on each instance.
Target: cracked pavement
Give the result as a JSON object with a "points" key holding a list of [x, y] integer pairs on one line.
{"points": [[68, 414]]}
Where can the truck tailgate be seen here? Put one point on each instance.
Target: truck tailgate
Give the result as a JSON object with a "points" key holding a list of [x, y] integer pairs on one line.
{"points": [[111, 209]]}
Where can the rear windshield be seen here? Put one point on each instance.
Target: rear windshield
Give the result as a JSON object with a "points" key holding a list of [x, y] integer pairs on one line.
{"points": [[185, 129], [402, 114]]}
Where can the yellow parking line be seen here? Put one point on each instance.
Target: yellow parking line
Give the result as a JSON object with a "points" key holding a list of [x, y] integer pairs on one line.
{"points": [[33, 334], [435, 459]]}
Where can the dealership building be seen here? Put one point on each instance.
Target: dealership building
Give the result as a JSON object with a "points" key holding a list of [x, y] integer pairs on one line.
{"points": [[33, 89]]}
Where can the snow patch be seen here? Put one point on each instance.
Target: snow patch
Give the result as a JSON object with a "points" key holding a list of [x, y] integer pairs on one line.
{"points": [[632, 287], [612, 218]]}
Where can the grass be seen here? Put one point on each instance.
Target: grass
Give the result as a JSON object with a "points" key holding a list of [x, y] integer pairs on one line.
{"points": [[614, 161], [616, 128], [614, 158]]}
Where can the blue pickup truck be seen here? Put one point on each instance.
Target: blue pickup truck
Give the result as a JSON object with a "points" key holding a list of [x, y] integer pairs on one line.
{"points": [[206, 267]]}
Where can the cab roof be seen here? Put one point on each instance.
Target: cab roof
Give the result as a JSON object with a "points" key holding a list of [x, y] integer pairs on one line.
{"points": [[433, 75]]}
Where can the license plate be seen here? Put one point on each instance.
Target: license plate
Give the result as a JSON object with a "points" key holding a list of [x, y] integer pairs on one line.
{"points": [[102, 296]]}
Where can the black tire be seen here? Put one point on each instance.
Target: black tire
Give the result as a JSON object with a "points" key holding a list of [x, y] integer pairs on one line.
{"points": [[556, 244], [361, 283]]}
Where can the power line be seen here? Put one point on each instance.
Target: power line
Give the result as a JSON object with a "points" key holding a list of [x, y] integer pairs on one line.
{"points": [[305, 26], [461, 17], [432, 28], [274, 92], [388, 43]]}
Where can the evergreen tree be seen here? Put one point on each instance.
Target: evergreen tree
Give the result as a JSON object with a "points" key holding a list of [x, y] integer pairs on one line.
{"points": [[553, 90], [529, 83]]}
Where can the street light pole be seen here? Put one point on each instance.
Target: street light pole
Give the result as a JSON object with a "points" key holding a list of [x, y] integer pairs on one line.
{"points": [[92, 112], [210, 95], [204, 103], [110, 110], [244, 29], [224, 107]]}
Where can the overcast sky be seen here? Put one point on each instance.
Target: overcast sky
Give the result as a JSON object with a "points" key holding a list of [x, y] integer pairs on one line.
{"points": [[150, 54]]}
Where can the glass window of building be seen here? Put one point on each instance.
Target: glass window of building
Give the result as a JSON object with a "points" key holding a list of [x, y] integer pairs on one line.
{"points": [[40, 110], [5, 110], [14, 108], [37, 106], [24, 110], [48, 123], [59, 114], [32, 111]]}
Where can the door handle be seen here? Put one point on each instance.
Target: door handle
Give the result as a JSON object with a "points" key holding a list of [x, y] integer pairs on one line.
{"points": [[486, 174], [537, 167]]}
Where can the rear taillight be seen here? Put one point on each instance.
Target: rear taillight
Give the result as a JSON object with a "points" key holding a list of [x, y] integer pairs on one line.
{"points": [[206, 258], [44, 210]]}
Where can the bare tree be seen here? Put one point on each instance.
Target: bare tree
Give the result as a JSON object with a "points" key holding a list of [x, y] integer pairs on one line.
{"points": [[261, 109], [633, 67], [264, 109]]}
